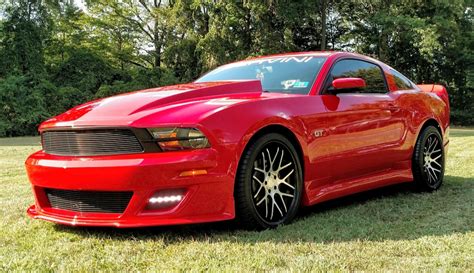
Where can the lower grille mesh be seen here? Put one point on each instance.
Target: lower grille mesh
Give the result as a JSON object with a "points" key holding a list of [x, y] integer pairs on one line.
{"points": [[89, 201]]}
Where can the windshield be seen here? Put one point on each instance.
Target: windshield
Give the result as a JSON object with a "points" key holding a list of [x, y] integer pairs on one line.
{"points": [[293, 75]]}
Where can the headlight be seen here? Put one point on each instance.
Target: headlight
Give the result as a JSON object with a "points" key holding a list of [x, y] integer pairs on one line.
{"points": [[172, 139]]}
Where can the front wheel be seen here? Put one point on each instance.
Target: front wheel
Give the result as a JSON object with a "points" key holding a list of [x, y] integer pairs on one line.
{"points": [[269, 183], [428, 160]]}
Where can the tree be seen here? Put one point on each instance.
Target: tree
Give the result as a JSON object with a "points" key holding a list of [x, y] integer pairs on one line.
{"points": [[147, 19], [69, 31], [25, 32]]}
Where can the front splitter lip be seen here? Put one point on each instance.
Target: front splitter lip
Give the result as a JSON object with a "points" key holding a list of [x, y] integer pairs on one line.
{"points": [[124, 223]]}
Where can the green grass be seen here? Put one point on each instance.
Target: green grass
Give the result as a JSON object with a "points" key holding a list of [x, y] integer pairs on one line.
{"points": [[389, 229]]}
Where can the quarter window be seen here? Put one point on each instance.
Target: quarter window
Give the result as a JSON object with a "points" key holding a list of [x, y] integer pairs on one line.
{"points": [[401, 81], [371, 73]]}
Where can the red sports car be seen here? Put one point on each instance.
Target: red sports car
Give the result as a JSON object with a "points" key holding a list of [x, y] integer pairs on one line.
{"points": [[252, 140]]}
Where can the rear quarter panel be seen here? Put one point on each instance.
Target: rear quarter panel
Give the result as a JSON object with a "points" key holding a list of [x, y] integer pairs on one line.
{"points": [[420, 107]]}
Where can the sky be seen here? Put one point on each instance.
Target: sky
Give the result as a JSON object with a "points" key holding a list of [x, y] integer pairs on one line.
{"points": [[80, 4]]}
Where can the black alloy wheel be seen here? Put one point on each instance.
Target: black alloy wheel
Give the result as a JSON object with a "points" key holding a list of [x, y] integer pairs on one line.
{"points": [[269, 183], [428, 160]]}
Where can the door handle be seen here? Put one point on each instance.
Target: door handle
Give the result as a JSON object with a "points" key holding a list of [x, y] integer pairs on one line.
{"points": [[392, 107]]}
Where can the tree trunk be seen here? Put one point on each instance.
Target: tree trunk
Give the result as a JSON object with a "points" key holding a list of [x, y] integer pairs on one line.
{"points": [[324, 5], [383, 46], [248, 33], [157, 43]]}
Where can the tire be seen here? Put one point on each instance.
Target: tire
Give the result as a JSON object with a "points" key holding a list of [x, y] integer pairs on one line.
{"points": [[268, 184], [428, 160]]}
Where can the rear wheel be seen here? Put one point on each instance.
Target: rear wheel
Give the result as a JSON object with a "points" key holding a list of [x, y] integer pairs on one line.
{"points": [[269, 183], [428, 160]]}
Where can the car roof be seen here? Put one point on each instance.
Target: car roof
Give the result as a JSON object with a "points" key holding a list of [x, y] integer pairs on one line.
{"points": [[312, 53], [327, 54]]}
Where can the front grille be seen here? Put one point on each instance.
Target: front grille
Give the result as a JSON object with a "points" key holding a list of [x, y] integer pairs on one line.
{"points": [[91, 142], [89, 201]]}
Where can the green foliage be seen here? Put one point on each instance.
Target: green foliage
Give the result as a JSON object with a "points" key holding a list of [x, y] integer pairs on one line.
{"points": [[154, 77], [183, 59], [22, 105], [84, 70], [143, 79], [23, 35], [464, 118], [69, 97], [117, 88], [58, 55]]}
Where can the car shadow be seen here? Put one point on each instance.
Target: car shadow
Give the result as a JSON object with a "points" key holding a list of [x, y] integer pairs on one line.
{"points": [[390, 213]]}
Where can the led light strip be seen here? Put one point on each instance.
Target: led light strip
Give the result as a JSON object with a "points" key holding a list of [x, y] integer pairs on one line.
{"points": [[165, 199]]}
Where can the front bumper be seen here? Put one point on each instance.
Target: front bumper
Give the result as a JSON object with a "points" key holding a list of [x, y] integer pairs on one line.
{"points": [[208, 197]]}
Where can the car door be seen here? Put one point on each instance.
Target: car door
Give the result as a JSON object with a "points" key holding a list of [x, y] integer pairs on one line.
{"points": [[363, 127]]}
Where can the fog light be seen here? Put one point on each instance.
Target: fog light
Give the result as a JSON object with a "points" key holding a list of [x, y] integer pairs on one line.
{"points": [[165, 199]]}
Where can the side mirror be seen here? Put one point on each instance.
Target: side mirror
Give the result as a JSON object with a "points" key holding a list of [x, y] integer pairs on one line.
{"points": [[348, 84]]}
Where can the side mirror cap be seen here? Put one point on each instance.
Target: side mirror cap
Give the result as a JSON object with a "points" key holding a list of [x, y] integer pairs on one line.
{"points": [[348, 83]]}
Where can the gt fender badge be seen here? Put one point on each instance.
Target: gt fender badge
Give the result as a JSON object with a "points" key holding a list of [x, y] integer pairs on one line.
{"points": [[318, 133]]}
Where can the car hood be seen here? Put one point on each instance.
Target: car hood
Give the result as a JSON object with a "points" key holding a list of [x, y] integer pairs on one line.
{"points": [[185, 103]]}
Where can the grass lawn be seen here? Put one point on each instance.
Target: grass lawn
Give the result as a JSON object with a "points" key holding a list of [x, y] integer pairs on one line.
{"points": [[389, 229]]}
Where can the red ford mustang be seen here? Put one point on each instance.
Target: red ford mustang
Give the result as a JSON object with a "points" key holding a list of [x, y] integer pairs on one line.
{"points": [[252, 140]]}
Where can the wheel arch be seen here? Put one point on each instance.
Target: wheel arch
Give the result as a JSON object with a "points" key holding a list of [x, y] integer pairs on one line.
{"points": [[280, 129], [430, 122]]}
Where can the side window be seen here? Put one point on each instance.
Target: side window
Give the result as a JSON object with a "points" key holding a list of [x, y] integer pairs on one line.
{"points": [[371, 73], [401, 81]]}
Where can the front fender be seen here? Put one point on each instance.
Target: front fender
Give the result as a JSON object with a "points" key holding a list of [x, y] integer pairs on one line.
{"points": [[238, 124]]}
